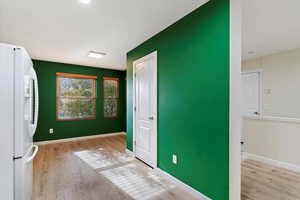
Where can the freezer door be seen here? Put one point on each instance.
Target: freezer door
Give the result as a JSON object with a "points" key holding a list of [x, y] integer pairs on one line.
{"points": [[25, 98], [23, 175]]}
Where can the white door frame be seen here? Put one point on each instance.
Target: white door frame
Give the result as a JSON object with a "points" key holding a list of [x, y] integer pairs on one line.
{"points": [[235, 100], [151, 55]]}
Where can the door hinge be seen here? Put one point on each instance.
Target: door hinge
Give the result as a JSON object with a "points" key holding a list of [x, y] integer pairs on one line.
{"points": [[134, 109], [134, 143], [134, 74]]}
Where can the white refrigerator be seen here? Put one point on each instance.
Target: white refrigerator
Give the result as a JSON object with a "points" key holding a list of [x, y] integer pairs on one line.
{"points": [[18, 121]]}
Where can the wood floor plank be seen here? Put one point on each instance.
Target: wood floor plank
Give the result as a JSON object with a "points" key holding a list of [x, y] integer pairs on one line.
{"points": [[261, 181], [61, 175]]}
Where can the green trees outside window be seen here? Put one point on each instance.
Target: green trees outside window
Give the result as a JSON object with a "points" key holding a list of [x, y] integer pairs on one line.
{"points": [[111, 97], [76, 97]]}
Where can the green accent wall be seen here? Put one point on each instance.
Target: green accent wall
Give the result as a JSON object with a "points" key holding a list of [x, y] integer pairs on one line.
{"points": [[46, 73], [193, 98]]}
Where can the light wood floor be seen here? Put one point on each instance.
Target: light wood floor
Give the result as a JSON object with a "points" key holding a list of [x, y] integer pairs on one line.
{"points": [[97, 169], [265, 182], [64, 171]]}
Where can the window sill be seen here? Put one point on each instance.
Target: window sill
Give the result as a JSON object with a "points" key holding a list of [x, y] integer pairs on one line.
{"points": [[79, 119]]}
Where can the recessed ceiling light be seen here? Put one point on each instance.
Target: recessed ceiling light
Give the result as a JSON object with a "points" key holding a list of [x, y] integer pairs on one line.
{"points": [[85, 1], [97, 55]]}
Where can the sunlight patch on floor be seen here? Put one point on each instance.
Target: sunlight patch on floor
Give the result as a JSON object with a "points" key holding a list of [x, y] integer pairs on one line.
{"points": [[136, 179], [100, 158], [140, 186]]}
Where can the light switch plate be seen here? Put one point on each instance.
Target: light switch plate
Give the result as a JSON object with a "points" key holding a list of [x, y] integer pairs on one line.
{"points": [[51, 131]]}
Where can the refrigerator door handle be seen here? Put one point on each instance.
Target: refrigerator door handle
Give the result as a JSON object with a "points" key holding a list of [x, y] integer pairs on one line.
{"points": [[36, 102], [36, 149]]}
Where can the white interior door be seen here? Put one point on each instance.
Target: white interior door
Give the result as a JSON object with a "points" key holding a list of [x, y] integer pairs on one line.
{"points": [[251, 93], [145, 103]]}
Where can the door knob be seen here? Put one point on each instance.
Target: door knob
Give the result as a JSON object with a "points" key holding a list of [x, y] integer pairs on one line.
{"points": [[151, 118]]}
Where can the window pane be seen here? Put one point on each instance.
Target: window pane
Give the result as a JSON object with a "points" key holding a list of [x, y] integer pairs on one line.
{"points": [[75, 98], [110, 107], [74, 87], [111, 89], [76, 108]]}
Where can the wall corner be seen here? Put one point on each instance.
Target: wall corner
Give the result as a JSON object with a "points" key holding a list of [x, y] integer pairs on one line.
{"points": [[235, 101]]}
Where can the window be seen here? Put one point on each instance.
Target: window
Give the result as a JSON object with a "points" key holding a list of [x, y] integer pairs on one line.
{"points": [[111, 96], [76, 96]]}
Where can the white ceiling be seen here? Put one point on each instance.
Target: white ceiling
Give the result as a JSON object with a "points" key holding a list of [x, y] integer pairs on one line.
{"points": [[270, 26], [65, 30]]}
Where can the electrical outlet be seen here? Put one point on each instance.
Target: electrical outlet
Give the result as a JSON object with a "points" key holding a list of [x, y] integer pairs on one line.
{"points": [[174, 159], [51, 130]]}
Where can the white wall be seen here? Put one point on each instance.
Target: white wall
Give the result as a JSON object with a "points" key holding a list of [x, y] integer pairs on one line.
{"points": [[272, 139], [281, 82], [277, 140]]}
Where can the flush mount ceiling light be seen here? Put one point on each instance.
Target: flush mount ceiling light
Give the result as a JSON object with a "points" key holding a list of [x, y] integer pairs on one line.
{"points": [[97, 55], [85, 1]]}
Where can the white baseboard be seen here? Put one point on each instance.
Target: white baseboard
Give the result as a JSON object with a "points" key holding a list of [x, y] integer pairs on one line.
{"points": [[79, 138], [244, 156], [192, 191], [270, 161], [129, 152]]}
